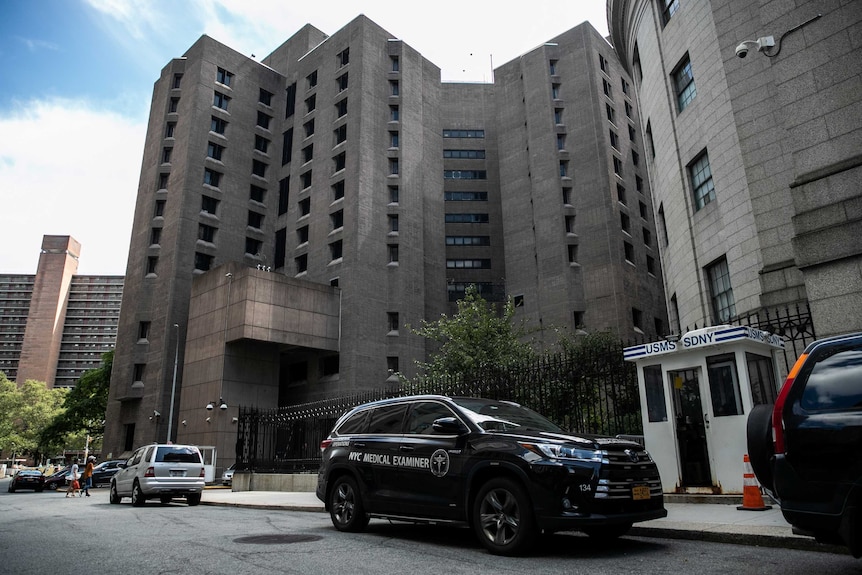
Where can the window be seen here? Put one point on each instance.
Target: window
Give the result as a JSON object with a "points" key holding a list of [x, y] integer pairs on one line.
{"points": [[214, 151], [335, 250], [393, 194], [468, 240], [393, 88], [337, 219], [163, 181], [338, 190], [304, 207], [647, 237], [211, 177], [257, 193], [169, 129], [629, 252], [393, 166], [637, 318], [477, 264], [258, 168], [393, 141], [650, 265], [302, 235], [606, 87], [305, 180], [609, 111], [564, 169], [392, 321], [639, 184], [561, 141], [155, 236], [654, 387], [668, 8], [393, 223], [673, 314], [283, 195], [466, 218], [209, 205], [570, 224], [308, 153], [555, 91], [263, 120], [177, 79], [572, 250], [621, 194], [206, 233], [618, 166], [341, 82], [265, 97], [552, 67], [290, 101], [218, 125], [301, 263], [465, 174], [663, 223], [701, 181], [339, 162], [152, 263], [341, 134], [615, 140], [396, 63], [143, 330], [650, 143], [341, 108], [223, 76], [631, 133], [138, 372], [261, 144], [721, 292], [635, 158], [328, 366], [280, 248], [463, 133], [287, 147], [683, 82], [603, 64], [643, 210], [567, 196], [255, 220], [203, 262], [558, 116], [311, 80], [393, 253], [465, 196], [723, 385], [308, 128], [629, 110], [393, 113], [172, 107], [761, 377], [625, 85], [625, 222], [252, 246], [220, 100], [343, 57]]}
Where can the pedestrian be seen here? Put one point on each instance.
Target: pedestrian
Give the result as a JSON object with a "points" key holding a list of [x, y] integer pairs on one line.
{"points": [[87, 476], [74, 486]]}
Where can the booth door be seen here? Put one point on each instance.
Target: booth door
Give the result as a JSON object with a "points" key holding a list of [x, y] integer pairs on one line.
{"points": [[689, 411]]}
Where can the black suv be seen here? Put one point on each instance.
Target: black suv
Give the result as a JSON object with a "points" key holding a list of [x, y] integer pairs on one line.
{"points": [[806, 450], [494, 465]]}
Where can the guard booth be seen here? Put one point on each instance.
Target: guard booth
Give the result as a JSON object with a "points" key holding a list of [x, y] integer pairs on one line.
{"points": [[696, 392]]}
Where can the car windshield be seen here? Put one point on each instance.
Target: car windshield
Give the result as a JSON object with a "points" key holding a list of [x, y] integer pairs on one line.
{"points": [[493, 415], [178, 455]]}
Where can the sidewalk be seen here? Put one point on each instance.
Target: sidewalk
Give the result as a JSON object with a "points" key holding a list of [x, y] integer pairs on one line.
{"points": [[687, 518]]}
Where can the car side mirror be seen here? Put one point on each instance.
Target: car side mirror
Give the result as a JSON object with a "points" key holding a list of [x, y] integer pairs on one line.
{"points": [[449, 425], [121, 465]]}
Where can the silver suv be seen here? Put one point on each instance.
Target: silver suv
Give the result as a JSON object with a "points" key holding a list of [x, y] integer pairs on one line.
{"points": [[160, 471]]}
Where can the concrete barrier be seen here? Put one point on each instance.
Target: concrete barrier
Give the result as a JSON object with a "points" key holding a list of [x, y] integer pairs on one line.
{"points": [[292, 482]]}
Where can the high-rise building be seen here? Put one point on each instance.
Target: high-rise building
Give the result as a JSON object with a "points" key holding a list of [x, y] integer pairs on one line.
{"points": [[297, 215], [55, 325], [753, 123]]}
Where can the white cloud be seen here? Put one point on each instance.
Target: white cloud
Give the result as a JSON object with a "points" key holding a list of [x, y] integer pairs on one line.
{"points": [[67, 168]]}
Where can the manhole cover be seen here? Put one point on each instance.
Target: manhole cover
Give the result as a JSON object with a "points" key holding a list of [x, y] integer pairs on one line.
{"points": [[278, 539]]}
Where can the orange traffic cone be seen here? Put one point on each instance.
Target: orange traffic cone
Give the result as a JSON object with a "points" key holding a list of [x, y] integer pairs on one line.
{"points": [[752, 500]]}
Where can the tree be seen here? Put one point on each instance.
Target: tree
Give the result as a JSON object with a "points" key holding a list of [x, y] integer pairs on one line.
{"points": [[25, 411], [475, 339], [84, 408]]}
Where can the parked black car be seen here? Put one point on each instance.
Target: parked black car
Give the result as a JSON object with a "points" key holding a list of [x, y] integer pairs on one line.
{"points": [[27, 479], [806, 449], [103, 471], [57, 480], [494, 465]]}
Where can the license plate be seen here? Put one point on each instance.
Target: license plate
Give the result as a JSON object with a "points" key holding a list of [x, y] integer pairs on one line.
{"points": [[640, 492], [177, 473]]}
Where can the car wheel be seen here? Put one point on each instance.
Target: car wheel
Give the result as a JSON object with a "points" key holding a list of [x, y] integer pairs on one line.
{"points": [[138, 498], [165, 499], [114, 497], [11, 489], [193, 499], [760, 447], [607, 532], [345, 506], [503, 517], [52, 486]]}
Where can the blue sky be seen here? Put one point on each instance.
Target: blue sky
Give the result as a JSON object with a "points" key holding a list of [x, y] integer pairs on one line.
{"points": [[77, 79]]}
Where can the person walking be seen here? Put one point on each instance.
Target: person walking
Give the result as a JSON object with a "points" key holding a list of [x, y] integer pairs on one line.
{"points": [[87, 476], [73, 481]]}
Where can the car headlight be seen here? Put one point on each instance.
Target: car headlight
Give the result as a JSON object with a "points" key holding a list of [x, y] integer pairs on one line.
{"points": [[557, 451]]}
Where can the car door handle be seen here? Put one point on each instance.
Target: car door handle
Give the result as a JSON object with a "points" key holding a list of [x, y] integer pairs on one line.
{"points": [[359, 444], [405, 448]]}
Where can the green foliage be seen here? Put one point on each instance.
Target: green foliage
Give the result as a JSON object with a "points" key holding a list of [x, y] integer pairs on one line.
{"points": [[475, 339], [25, 412]]}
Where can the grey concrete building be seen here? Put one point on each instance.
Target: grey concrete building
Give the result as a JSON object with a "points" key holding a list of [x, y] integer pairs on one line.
{"points": [[55, 325], [754, 162], [296, 215]]}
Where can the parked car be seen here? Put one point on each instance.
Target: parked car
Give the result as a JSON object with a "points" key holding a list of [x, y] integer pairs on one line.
{"points": [[806, 449], [227, 476], [57, 479], [103, 471], [27, 479], [496, 466], [160, 472]]}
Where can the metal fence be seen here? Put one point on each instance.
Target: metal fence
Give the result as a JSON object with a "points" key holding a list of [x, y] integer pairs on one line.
{"points": [[591, 391]]}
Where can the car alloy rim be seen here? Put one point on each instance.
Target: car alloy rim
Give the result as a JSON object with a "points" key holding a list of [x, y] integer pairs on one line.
{"points": [[344, 503], [500, 517]]}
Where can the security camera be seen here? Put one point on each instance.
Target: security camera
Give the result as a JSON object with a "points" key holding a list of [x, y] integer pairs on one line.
{"points": [[156, 414], [761, 44]]}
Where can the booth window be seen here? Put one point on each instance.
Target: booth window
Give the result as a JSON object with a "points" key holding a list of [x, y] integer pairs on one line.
{"points": [[761, 377], [724, 385], [656, 404]]}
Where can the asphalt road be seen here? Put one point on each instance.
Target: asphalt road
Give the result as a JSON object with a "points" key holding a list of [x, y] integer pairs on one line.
{"points": [[49, 533]]}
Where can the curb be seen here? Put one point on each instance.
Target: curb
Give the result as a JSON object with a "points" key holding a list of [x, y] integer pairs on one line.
{"points": [[750, 539]]}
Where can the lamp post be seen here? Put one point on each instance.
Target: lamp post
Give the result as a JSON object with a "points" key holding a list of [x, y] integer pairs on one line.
{"points": [[174, 383]]}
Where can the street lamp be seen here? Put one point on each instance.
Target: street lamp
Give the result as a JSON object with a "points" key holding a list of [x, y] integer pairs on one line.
{"points": [[174, 383]]}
